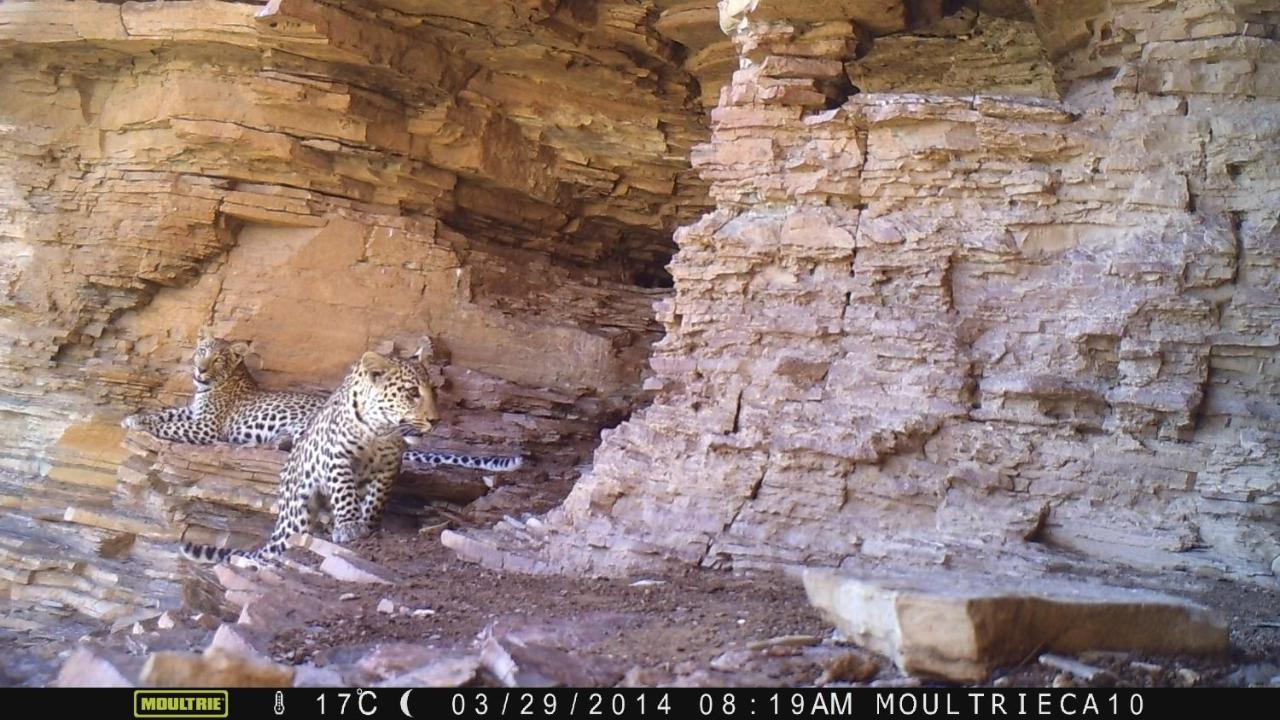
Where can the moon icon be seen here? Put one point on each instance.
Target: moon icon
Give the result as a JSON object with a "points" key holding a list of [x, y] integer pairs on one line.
{"points": [[404, 703]]}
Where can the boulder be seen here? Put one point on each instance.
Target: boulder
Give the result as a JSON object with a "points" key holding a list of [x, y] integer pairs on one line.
{"points": [[961, 627]]}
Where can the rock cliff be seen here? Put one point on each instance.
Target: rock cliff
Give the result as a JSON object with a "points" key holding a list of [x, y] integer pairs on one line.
{"points": [[1002, 283], [909, 281]]}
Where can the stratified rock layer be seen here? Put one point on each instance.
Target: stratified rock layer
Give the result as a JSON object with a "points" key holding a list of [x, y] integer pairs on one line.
{"points": [[949, 289], [320, 179], [959, 326]]}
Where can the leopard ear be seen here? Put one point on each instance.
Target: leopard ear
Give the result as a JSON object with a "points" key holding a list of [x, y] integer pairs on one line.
{"points": [[374, 364], [426, 351], [204, 333], [240, 349]]}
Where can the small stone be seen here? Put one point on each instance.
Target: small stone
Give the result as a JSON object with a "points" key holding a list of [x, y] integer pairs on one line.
{"points": [[1094, 676], [850, 666], [731, 660], [166, 621], [1064, 680], [423, 612], [386, 606], [207, 621], [357, 570], [1188, 677], [434, 530], [87, 668], [347, 596], [232, 639], [175, 669], [787, 640]]}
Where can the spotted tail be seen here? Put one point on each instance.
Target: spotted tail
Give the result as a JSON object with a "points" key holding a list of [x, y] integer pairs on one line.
{"points": [[214, 554], [492, 464], [209, 553]]}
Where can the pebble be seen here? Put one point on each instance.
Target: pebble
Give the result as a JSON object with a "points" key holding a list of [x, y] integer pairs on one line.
{"points": [[648, 583], [1064, 680], [347, 596], [1188, 677], [386, 606]]}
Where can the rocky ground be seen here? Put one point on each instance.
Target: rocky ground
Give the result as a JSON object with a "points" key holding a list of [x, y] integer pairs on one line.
{"points": [[449, 622]]}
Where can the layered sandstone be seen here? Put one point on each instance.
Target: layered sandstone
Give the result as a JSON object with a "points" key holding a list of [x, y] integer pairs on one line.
{"points": [[1019, 293], [319, 179], [956, 283]]}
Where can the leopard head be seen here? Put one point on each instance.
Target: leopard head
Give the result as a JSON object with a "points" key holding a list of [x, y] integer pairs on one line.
{"points": [[215, 360], [395, 393]]}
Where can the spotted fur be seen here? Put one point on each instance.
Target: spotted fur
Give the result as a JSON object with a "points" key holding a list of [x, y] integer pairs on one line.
{"points": [[347, 455], [229, 407], [492, 464]]}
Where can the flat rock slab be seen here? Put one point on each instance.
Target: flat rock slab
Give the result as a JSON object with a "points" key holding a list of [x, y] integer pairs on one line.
{"points": [[213, 669], [357, 570], [89, 667], [961, 627]]}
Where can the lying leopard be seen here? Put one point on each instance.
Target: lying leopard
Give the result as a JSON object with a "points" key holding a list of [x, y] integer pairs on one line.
{"points": [[347, 455], [228, 406]]}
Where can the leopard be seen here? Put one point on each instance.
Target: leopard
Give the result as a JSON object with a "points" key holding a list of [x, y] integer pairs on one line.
{"points": [[347, 456], [229, 406]]}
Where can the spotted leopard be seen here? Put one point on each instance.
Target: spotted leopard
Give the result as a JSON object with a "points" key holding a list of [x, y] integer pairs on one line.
{"points": [[228, 406], [347, 455]]}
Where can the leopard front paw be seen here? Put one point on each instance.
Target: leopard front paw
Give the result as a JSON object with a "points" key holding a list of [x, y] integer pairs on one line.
{"points": [[132, 422], [346, 532]]}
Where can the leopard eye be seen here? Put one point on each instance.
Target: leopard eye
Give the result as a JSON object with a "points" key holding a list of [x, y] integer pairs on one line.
{"points": [[414, 393]]}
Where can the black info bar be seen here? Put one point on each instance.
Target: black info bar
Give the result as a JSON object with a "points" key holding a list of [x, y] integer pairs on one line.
{"points": [[674, 703]]}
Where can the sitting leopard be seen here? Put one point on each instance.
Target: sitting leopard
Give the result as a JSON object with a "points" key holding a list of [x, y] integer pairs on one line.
{"points": [[228, 406], [347, 455]]}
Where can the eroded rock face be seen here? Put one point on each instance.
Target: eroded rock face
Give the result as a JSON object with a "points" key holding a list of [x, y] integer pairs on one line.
{"points": [[950, 287], [943, 327], [319, 178]]}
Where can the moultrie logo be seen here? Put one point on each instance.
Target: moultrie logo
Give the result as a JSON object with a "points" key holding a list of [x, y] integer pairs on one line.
{"points": [[180, 703]]}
